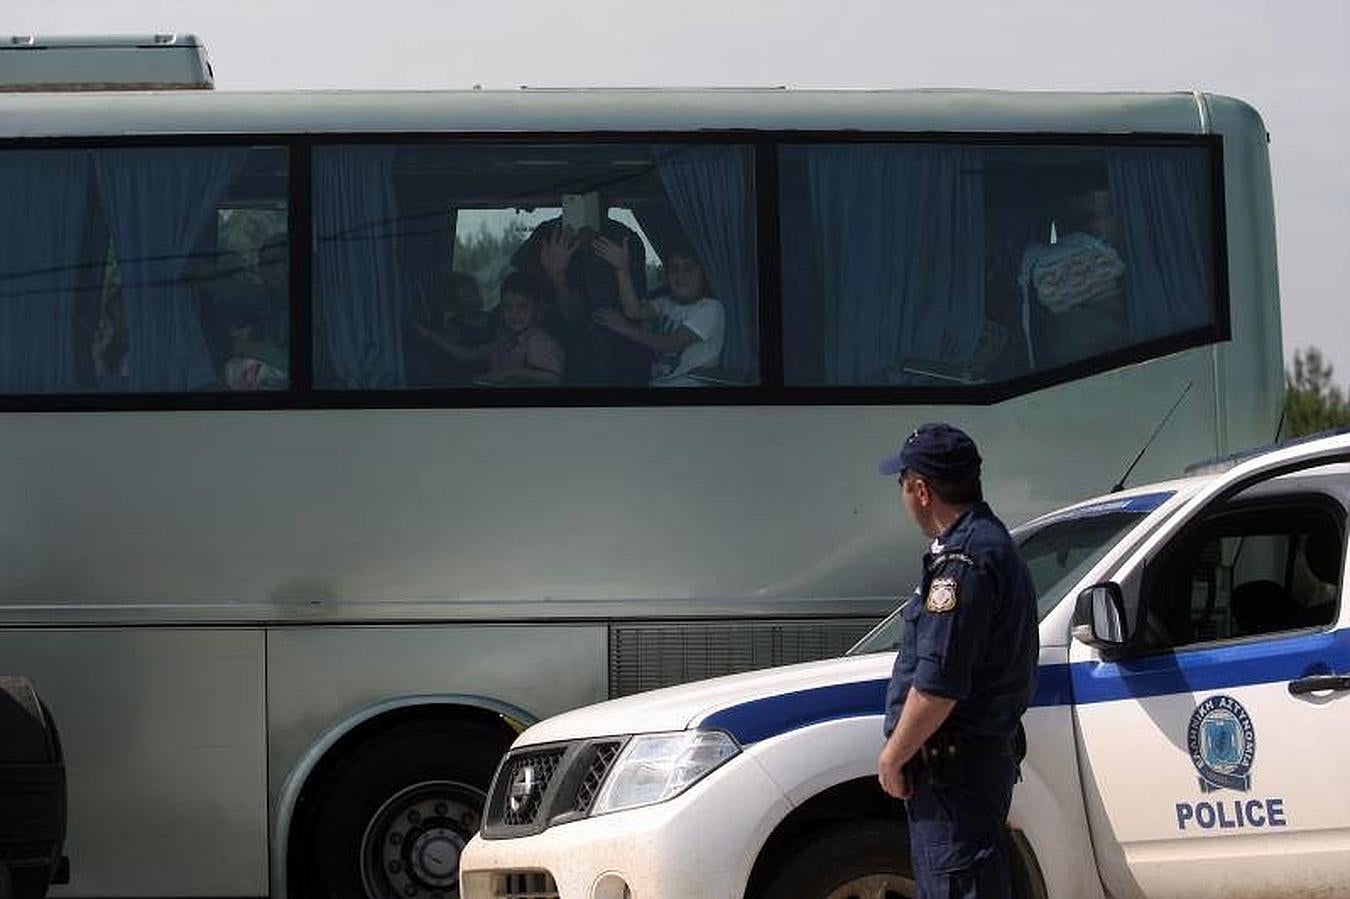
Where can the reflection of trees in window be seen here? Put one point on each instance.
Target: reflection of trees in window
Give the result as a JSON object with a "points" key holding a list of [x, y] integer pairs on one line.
{"points": [[242, 231], [486, 254]]}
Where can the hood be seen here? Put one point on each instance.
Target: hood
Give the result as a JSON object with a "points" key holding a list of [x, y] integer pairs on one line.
{"points": [[675, 708]]}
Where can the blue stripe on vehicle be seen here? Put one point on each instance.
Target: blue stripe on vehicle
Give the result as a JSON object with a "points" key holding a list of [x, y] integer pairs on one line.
{"points": [[1145, 502], [1194, 671], [1218, 668], [760, 719], [1054, 686]]}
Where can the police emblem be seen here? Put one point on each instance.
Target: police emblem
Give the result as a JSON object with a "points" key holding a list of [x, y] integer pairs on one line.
{"points": [[1222, 743], [942, 595]]}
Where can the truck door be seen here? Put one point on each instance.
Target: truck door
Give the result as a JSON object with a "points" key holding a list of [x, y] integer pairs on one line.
{"points": [[1212, 748]]}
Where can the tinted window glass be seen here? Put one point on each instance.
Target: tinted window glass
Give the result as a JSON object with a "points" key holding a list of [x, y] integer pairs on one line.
{"points": [[547, 265], [143, 270], [1245, 574], [937, 265], [1058, 553]]}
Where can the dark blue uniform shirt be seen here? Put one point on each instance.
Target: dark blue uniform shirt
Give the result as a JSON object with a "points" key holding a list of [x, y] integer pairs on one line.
{"points": [[970, 633]]}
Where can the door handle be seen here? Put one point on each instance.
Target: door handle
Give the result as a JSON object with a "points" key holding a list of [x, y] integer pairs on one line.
{"points": [[1318, 683]]}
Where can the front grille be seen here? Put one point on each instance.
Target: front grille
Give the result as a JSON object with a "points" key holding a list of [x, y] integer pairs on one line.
{"points": [[526, 779], [524, 885], [539, 786], [604, 756]]}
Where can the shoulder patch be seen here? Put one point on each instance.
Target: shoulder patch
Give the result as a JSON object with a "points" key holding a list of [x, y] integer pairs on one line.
{"points": [[943, 595]]}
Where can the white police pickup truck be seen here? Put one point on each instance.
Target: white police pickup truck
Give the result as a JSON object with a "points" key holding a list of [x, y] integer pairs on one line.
{"points": [[1189, 735]]}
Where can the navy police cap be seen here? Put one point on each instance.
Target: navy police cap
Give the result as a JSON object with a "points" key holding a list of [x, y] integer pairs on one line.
{"points": [[938, 451]]}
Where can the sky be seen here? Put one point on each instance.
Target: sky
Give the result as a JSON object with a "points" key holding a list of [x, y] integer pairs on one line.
{"points": [[1290, 59]]}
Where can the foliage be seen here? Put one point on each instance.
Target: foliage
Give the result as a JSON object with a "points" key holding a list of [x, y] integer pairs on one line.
{"points": [[1312, 401], [486, 254], [242, 231]]}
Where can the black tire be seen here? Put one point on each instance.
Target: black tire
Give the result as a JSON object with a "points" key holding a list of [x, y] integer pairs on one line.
{"points": [[32, 792], [852, 860], [388, 821], [26, 883]]}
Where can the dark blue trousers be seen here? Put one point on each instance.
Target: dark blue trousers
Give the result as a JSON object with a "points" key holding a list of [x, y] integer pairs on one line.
{"points": [[956, 832]]}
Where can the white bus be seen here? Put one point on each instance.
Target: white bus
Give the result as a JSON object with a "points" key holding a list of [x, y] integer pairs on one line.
{"points": [[302, 524]]}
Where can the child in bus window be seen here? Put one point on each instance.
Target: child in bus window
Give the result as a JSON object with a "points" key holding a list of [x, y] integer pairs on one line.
{"points": [[464, 338], [689, 326], [528, 355]]}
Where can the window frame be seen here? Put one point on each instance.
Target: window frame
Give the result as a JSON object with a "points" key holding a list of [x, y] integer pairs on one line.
{"points": [[770, 391]]}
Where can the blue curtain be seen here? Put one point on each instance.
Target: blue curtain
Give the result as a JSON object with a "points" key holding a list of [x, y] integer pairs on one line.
{"points": [[358, 341], [44, 199], [159, 203], [1162, 199], [710, 191], [899, 238]]}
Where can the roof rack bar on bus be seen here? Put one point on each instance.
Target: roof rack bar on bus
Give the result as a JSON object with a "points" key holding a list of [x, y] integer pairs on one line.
{"points": [[31, 63]]}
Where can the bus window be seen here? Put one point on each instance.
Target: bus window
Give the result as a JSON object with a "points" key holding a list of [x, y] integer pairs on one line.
{"points": [[134, 270], [940, 265], [416, 243]]}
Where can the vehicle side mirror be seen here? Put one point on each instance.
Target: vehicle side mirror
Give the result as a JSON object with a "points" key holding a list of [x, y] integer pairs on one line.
{"points": [[1099, 617]]}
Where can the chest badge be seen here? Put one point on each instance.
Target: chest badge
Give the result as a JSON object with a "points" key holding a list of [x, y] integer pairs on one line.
{"points": [[942, 595]]}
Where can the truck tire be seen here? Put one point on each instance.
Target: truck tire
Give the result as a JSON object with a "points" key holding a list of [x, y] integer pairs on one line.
{"points": [[390, 819], [32, 792], [866, 859]]}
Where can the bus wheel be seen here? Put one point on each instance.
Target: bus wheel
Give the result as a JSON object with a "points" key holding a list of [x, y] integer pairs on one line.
{"points": [[858, 860], [392, 818]]}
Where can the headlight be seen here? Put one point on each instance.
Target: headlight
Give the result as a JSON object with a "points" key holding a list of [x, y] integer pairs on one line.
{"points": [[656, 767]]}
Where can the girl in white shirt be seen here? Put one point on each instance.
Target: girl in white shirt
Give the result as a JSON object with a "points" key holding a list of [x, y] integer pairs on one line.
{"points": [[690, 325]]}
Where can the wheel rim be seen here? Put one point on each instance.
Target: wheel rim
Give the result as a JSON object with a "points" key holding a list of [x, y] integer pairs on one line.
{"points": [[412, 845], [875, 886]]}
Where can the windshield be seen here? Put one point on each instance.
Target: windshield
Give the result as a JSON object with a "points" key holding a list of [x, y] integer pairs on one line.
{"points": [[1058, 550]]}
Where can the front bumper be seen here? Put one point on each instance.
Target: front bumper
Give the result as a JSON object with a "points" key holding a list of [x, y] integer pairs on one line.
{"points": [[700, 845]]}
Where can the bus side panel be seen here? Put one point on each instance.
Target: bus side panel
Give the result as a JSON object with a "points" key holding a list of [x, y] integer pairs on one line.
{"points": [[1251, 365], [1055, 446], [163, 731], [321, 676]]}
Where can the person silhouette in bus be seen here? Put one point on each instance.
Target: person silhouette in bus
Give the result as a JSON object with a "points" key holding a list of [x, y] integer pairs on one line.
{"points": [[528, 355], [688, 327], [1073, 285], [258, 357], [573, 282], [465, 326]]}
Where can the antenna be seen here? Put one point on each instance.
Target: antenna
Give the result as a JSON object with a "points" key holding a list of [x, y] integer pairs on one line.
{"points": [[1120, 485]]}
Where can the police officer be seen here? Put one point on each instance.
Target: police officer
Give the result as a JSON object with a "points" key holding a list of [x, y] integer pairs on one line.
{"points": [[964, 673]]}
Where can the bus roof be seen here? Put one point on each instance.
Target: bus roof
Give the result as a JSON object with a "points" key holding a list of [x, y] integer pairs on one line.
{"points": [[30, 115]]}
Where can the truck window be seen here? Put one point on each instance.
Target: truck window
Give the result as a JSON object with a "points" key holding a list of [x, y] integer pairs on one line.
{"points": [[1246, 572], [1059, 551]]}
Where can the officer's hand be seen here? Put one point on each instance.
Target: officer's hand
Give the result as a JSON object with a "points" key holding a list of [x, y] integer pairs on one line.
{"points": [[891, 773]]}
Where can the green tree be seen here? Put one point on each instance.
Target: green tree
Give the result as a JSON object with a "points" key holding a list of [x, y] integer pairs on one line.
{"points": [[487, 255], [1312, 402]]}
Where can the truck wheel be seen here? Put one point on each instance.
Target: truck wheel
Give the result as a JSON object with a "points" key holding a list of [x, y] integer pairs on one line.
{"points": [[392, 818], [25, 883], [32, 792], [857, 860]]}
